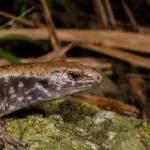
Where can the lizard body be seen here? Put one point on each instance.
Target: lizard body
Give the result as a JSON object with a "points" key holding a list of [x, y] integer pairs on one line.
{"points": [[24, 84]]}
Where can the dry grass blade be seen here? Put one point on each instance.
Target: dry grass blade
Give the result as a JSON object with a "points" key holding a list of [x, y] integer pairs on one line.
{"points": [[50, 26], [122, 55], [18, 19], [109, 104], [117, 39]]}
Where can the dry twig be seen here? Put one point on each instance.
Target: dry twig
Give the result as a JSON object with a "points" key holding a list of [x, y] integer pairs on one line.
{"points": [[51, 27], [114, 39], [109, 104], [110, 13], [122, 55], [100, 10], [23, 21], [148, 2], [130, 15]]}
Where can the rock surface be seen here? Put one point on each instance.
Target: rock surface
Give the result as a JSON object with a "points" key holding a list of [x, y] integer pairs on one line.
{"points": [[70, 125]]}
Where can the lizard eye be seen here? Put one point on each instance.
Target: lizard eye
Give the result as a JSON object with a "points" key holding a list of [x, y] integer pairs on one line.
{"points": [[44, 83], [74, 75]]}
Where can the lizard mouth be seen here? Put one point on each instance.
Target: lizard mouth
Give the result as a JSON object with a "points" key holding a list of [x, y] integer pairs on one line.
{"points": [[83, 87], [87, 84]]}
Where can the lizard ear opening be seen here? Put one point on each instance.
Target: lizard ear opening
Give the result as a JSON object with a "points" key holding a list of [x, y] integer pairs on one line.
{"points": [[74, 75]]}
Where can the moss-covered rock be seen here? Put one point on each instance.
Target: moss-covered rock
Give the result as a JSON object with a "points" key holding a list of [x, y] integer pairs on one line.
{"points": [[70, 125]]}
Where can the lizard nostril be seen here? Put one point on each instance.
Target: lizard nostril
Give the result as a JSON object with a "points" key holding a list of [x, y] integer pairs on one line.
{"points": [[98, 78]]}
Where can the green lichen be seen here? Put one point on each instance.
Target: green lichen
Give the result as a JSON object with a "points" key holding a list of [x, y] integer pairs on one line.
{"points": [[71, 125]]}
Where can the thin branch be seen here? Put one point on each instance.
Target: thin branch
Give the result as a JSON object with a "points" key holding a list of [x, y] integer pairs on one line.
{"points": [[121, 55], [101, 14], [148, 2], [110, 13], [115, 39], [108, 104], [130, 15], [50, 26]]}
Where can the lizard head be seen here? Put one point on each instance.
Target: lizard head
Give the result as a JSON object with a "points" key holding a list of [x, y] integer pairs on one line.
{"points": [[71, 78], [38, 82]]}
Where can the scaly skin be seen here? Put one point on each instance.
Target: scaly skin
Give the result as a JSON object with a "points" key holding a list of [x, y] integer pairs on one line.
{"points": [[24, 84]]}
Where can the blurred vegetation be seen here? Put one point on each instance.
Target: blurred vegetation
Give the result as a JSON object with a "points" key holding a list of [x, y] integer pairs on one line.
{"points": [[9, 57], [21, 8]]}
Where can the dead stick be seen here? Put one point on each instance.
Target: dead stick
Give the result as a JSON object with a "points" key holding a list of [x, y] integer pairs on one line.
{"points": [[50, 26], [122, 55], [112, 104], [115, 39]]}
